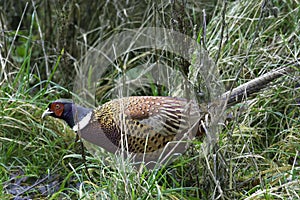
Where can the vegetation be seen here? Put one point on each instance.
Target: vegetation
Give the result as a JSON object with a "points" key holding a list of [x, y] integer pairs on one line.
{"points": [[44, 43]]}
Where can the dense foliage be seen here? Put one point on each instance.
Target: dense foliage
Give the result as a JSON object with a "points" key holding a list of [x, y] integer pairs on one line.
{"points": [[44, 42]]}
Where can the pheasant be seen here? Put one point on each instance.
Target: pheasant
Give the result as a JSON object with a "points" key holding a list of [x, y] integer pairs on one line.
{"points": [[147, 126], [143, 125]]}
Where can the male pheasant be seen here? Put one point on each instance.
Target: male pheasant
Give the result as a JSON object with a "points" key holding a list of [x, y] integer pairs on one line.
{"points": [[146, 125], [143, 125]]}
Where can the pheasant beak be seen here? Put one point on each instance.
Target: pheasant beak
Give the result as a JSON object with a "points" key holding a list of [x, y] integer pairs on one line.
{"points": [[46, 113]]}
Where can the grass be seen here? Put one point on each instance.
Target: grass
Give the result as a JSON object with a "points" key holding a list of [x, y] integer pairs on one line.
{"points": [[257, 153]]}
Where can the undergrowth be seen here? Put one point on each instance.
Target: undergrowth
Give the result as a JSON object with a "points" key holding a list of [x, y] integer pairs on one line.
{"points": [[257, 153]]}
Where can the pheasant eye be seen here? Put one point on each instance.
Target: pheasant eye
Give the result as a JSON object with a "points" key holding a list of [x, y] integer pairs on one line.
{"points": [[57, 106]]}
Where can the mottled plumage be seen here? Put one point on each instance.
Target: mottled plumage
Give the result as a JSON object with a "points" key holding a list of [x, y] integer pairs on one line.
{"points": [[148, 122]]}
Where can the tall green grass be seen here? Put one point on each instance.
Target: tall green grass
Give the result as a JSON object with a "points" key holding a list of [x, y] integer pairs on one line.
{"points": [[257, 154]]}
